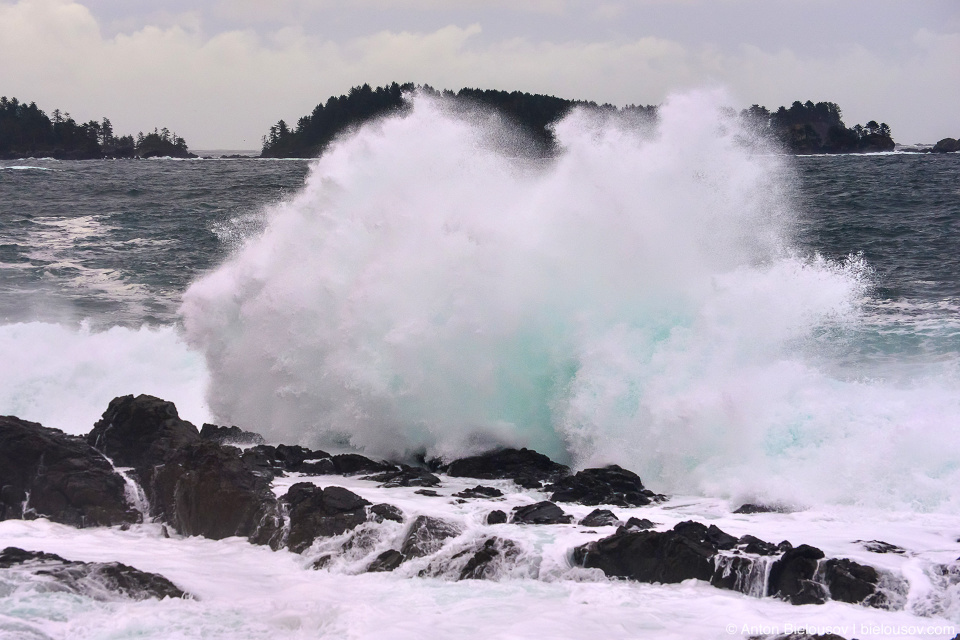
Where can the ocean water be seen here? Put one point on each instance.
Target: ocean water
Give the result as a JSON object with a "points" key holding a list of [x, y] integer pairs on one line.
{"points": [[733, 324]]}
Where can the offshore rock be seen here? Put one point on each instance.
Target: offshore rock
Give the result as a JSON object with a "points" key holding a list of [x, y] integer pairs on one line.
{"points": [[229, 435], [47, 473], [496, 517], [208, 490], [527, 468], [97, 580], [427, 536], [486, 561], [480, 491], [600, 518], [947, 145], [316, 512], [608, 485], [141, 432], [540, 513]]}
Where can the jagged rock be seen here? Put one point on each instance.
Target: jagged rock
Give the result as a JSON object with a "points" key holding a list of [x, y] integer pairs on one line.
{"points": [[426, 536], [600, 518], [316, 512], [92, 579], [496, 517], [540, 513], [386, 561], [207, 490], [879, 546], [756, 546], [527, 468], [141, 432], [608, 485], [751, 508], [480, 491], [67, 480], [348, 464], [483, 564], [849, 581], [281, 459], [387, 512], [792, 576], [229, 435], [405, 477], [636, 524]]}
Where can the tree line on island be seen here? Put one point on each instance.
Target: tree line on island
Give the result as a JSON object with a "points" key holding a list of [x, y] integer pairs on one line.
{"points": [[26, 131], [802, 128]]}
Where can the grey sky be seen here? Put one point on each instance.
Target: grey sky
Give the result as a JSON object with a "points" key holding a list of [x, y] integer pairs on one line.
{"points": [[221, 72]]}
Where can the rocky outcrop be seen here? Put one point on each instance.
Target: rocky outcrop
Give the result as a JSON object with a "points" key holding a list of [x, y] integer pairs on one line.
{"points": [[385, 511], [406, 477], [792, 576], [544, 512], [47, 473], [97, 580], [316, 512], [947, 145], [600, 518], [485, 561], [608, 485], [141, 432], [527, 468], [480, 491], [426, 536], [229, 435]]}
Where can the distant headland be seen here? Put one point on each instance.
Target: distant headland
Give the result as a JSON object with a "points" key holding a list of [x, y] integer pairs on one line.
{"points": [[27, 132], [803, 128]]}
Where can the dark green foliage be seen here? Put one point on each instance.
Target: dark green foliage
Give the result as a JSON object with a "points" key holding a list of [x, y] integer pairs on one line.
{"points": [[817, 128], [26, 131], [534, 113]]}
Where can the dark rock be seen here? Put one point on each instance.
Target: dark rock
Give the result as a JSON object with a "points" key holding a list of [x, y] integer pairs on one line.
{"points": [[405, 477], [540, 513], [947, 145], [92, 578], [427, 492], [426, 536], [316, 512], [480, 491], [207, 490], [67, 480], [483, 564], [849, 581], [387, 512], [636, 524], [609, 485], [281, 459], [600, 518], [321, 562], [736, 573], [754, 545], [348, 464], [229, 435], [527, 468], [141, 432], [386, 561], [758, 508], [496, 517], [879, 546], [792, 576]]}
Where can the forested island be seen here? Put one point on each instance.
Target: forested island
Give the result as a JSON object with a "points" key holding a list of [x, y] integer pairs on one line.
{"points": [[27, 132], [802, 128]]}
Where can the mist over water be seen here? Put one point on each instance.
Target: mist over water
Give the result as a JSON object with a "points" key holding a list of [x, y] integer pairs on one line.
{"points": [[636, 299]]}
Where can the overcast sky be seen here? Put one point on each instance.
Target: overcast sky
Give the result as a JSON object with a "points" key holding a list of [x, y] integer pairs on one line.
{"points": [[220, 72]]}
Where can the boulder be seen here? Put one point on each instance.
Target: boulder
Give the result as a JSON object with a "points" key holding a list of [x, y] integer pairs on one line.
{"points": [[348, 464], [141, 432], [207, 490], [229, 435], [386, 561], [792, 576], [316, 512], [527, 468], [756, 546], [496, 517], [608, 485], [385, 511], [849, 581], [405, 477], [47, 473], [485, 562], [480, 491], [600, 518], [92, 579], [540, 513], [636, 524], [426, 536]]}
